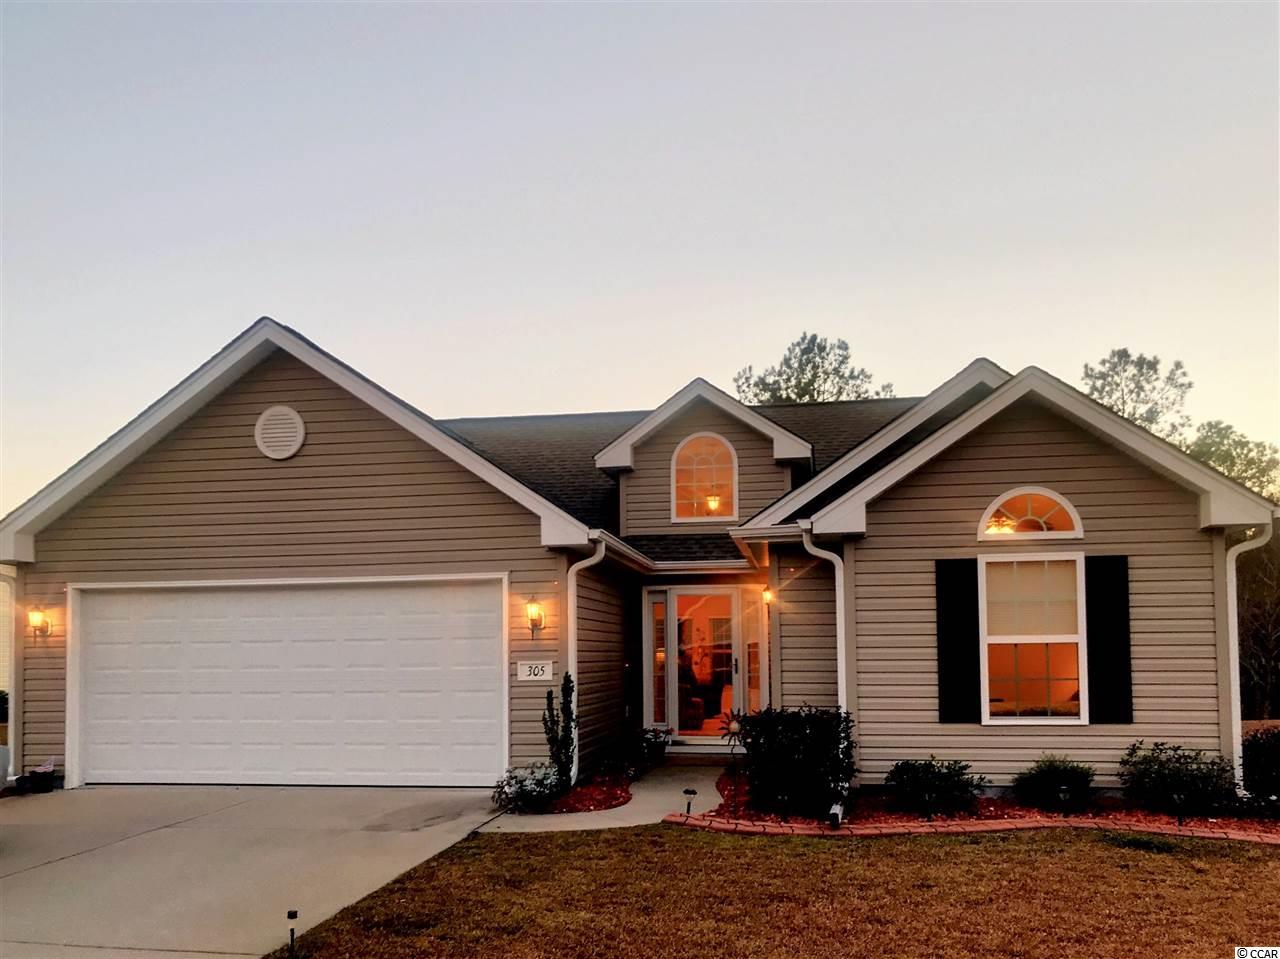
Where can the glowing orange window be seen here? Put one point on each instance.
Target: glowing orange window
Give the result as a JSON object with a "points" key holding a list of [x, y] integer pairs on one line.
{"points": [[1030, 513], [704, 480]]}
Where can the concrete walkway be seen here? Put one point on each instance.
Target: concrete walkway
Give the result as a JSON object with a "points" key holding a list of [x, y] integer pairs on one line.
{"points": [[171, 872], [653, 797]]}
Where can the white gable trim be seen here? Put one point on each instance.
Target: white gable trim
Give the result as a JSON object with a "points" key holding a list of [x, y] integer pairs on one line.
{"points": [[786, 445], [1223, 502], [18, 529], [979, 372]]}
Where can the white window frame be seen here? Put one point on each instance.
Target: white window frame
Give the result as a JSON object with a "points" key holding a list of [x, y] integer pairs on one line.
{"points": [[1063, 504], [1080, 637], [733, 456]]}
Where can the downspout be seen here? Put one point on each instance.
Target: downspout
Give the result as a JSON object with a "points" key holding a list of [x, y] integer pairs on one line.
{"points": [[842, 658], [836, 813], [1233, 641], [571, 620]]}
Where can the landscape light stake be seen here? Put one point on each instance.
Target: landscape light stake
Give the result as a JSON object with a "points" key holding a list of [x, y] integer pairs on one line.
{"points": [[688, 803], [292, 915]]}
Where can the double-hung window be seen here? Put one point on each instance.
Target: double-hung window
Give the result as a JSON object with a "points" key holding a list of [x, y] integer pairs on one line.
{"points": [[1031, 617]]}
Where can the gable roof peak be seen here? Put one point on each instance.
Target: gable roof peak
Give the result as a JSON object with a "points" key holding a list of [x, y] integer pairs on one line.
{"points": [[245, 350], [786, 445]]}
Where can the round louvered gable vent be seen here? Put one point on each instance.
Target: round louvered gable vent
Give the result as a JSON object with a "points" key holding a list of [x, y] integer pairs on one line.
{"points": [[279, 433]]}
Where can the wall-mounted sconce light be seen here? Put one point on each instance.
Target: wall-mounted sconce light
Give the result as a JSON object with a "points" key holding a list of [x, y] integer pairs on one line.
{"points": [[767, 596], [713, 503], [38, 620], [537, 616]]}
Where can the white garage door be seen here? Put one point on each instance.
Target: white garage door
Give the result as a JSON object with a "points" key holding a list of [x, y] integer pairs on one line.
{"points": [[386, 684]]}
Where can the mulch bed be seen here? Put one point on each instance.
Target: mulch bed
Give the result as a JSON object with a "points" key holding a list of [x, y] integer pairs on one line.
{"points": [[873, 810], [604, 792]]}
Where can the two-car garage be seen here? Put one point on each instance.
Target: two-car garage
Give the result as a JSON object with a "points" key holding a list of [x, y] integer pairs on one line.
{"points": [[361, 682]]}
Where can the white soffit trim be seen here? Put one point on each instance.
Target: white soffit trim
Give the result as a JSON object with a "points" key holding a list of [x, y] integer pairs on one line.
{"points": [[1223, 502], [786, 445], [981, 371], [18, 529]]}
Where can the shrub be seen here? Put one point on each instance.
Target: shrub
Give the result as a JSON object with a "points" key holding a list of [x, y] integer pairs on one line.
{"points": [[1055, 783], [933, 786], [1176, 780], [558, 726], [1262, 764], [634, 752], [798, 761], [529, 790], [534, 788]]}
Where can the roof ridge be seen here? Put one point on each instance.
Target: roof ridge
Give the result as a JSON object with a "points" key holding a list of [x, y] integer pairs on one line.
{"points": [[853, 402], [542, 416]]}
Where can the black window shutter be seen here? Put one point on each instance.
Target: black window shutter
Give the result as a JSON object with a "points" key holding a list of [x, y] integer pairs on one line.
{"points": [[1106, 598], [959, 682]]}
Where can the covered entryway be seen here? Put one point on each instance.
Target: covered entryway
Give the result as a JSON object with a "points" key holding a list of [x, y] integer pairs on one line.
{"points": [[323, 683]]}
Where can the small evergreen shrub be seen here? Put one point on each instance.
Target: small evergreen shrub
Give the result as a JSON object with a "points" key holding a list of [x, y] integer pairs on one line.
{"points": [[529, 790], [534, 788], [797, 760], [932, 786], [1262, 765], [1055, 783], [1175, 780], [558, 725]]}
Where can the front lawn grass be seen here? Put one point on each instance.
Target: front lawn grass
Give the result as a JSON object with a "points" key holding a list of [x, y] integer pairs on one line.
{"points": [[674, 893]]}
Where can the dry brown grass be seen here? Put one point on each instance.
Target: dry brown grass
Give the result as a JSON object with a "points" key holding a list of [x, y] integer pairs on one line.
{"points": [[673, 893]]}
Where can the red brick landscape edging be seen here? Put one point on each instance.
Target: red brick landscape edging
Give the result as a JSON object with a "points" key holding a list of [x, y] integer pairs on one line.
{"points": [[749, 827]]}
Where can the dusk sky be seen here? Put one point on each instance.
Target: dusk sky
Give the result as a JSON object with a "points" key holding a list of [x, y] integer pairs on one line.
{"points": [[515, 209]]}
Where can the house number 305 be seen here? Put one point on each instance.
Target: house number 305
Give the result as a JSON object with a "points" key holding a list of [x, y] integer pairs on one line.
{"points": [[533, 672]]}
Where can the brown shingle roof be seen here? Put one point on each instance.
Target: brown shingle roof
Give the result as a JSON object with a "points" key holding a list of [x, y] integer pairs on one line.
{"points": [[554, 455]]}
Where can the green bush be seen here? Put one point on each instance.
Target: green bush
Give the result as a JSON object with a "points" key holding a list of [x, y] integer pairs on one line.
{"points": [[529, 790], [1055, 783], [534, 788], [1262, 763], [933, 786], [632, 753], [797, 760], [558, 726], [1176, 780]]}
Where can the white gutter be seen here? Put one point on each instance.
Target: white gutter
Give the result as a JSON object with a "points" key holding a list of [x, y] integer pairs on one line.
{"points": [[571, 619], [1233, 641], [842, 679]]}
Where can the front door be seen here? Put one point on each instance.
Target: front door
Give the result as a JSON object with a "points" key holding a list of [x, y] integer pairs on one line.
{"points": [[706, 657]]}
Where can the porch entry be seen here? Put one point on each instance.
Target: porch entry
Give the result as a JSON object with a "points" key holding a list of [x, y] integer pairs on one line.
{"points": [[706, 655]]}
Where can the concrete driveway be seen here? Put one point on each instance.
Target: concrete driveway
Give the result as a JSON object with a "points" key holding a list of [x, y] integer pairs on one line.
{"points": [[168, 871]]}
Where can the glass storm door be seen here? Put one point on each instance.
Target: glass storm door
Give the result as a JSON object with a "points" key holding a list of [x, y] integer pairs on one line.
{"points": [[706, 662], [706, 656]]}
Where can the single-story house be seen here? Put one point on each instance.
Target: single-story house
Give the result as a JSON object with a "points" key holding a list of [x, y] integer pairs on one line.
{"points": [[280, 572]]}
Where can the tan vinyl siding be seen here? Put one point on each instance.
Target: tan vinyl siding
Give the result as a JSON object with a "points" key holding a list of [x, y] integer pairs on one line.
{"points": [[805, 606], [362, 498], [601, 658], [646, 496], [1125, 508]]}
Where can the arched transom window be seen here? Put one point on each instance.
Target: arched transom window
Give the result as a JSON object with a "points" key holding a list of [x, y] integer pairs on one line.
{"points": [[1030, 512], [704, 480]]}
